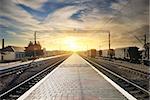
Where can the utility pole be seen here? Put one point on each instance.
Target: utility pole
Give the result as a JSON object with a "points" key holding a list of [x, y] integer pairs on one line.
{"points": [[145, 45], [110, 52], [35, 43], [109, 39]]}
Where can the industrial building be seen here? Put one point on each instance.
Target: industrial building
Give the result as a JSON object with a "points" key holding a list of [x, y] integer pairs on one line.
{"points": [[33, 50], [13, 53]]}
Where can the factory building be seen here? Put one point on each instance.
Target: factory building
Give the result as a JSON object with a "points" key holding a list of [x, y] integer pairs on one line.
{"points": [[34, 50]]}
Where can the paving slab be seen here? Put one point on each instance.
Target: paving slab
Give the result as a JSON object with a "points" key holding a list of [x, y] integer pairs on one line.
{"points": [[74, 79]]}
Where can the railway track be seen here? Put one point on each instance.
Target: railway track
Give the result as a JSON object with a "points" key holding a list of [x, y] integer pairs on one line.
{"points": [[138, 77], [135, 90], [13, 76], [21, 68], [145, 71], [16, 69], [18, 90]]}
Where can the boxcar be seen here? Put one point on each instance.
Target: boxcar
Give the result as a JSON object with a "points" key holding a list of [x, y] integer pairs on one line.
{"points": [[128, 53], [111, 53], [92, 53], [104, 53], [99, 53], [122, 53], [108, 53]]}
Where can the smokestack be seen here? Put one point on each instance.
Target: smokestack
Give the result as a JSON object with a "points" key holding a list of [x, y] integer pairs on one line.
{"points": [[2, 43], [35, 37]]}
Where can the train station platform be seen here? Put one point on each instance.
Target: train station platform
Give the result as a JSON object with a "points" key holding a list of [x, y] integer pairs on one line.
{"points": [[74, 79]]}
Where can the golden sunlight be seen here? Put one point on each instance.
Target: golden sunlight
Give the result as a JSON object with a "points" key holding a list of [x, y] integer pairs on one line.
{"points": [[71, 43]]}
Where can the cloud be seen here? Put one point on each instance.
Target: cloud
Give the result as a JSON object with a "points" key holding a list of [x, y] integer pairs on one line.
{"points": [[11, 11], [60, 18], [45, 8], [135, 10], [119, 4], [20, 18], [35, 4]]}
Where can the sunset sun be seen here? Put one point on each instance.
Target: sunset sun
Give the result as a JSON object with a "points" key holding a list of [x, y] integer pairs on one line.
{"points": [[71, 43]]}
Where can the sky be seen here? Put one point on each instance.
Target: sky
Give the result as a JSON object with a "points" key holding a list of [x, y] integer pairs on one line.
{"points": [[74, 24]]}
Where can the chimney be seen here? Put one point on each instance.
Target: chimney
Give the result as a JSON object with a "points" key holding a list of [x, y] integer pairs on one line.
{"points": [[35, 37], [2, 43]]}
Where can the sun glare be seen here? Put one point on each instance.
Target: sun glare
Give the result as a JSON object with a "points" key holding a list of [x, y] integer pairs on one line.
{"points": [[71, 43]]}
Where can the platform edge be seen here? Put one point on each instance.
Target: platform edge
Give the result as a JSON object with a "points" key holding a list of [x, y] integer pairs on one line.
{"points": [[27, 93], [120, 89]]}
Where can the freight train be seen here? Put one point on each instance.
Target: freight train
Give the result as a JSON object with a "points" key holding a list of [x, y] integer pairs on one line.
{"points": [[130, 54]]}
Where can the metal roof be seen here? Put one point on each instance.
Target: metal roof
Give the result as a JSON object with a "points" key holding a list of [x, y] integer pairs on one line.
{"points": [[13, 49]]}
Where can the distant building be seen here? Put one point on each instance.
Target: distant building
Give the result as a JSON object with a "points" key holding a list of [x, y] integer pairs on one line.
{"points": [[53, 53], [12, 53], [34, 50]]}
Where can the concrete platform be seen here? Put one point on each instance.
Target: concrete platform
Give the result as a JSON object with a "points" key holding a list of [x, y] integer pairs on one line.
{"points": [[74, 79]]}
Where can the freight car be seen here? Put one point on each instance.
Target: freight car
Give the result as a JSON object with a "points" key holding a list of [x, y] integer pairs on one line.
{"points": [[130, 54], [111, 53], [92, 53], [121, 53], [104, 53], [99, 53], [108, 53]]}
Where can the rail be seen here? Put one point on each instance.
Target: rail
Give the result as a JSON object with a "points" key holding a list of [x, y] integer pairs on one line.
{"points": [[115, 77], [13, 92]]}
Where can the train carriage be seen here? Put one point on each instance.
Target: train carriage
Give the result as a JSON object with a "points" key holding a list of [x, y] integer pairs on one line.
{"points": [[99, 53], [108, 53], [122, 53], [128, 53], [104, 53], [92, 53]]}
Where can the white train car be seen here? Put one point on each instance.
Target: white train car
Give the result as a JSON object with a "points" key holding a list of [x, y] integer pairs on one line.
{"points": [[122, 53], [128, 53], [108, 53], [105, 53]]}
